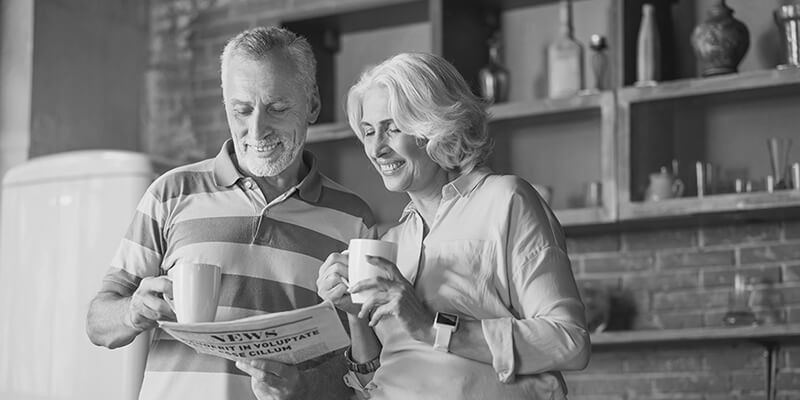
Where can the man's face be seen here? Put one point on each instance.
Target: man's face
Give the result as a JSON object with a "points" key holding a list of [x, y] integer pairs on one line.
{"points": [[268, 113]]}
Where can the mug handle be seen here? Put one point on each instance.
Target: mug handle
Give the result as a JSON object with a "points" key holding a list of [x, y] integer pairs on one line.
{"points": [[677, 188]]}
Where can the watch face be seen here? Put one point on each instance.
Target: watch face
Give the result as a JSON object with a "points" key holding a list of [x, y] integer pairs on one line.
{"points": [[446, 319]]}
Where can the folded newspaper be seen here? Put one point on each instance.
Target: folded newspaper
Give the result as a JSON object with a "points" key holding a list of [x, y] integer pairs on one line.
{"points": [[291, 337]]}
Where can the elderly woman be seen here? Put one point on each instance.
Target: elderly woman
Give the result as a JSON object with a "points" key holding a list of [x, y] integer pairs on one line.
{"points": [[482, 303]]}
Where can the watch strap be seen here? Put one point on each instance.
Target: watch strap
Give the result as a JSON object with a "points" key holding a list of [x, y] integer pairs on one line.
{"points": [[362, 368]]}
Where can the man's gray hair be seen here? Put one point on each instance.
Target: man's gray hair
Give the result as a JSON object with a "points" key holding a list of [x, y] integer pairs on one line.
{"points": [[257, 42]]}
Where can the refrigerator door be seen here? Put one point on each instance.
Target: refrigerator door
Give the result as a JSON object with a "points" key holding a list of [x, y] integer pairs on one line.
{"points": [[63, 217]]}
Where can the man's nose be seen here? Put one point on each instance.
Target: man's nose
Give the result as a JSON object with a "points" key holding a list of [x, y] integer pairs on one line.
{"points": [[260, 124]]}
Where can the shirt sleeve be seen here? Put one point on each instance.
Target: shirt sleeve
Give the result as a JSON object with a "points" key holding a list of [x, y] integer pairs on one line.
{"points": [[548, 330], [141, 250]]}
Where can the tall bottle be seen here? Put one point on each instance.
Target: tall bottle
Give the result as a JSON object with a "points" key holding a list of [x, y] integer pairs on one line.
{"points": [[565, 58], [648, 49]]}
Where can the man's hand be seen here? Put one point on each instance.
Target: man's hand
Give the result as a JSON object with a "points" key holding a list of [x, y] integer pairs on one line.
{"points": [[147, 304], [272, 380]]}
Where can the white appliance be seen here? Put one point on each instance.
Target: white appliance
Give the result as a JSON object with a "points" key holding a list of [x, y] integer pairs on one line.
{"points": [[62, 219]]}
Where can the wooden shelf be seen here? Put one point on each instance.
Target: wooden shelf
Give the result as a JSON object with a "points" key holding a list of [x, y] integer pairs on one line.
{"points": [[317, 9], [710, 204], [517, 110], [714, 85], [582, 216], [766, 333], [331, 131]]}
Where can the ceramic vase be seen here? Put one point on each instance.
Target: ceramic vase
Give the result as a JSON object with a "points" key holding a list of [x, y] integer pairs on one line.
{"points": [[721, 41], [494, 77]]}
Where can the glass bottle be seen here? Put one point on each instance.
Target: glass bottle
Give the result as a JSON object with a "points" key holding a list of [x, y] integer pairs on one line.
{"points": [[648, 49], [739, 312], [599, 46], [494, 77], [565, 58]]}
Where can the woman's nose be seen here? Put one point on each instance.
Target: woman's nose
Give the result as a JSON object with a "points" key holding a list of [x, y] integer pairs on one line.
{"points": [[376, 145]]}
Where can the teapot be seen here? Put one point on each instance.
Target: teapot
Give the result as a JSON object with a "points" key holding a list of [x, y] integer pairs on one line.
{"points": [[663, 185]]}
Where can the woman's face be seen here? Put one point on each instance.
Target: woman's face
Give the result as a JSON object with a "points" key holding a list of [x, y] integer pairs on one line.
{"points": [[403, 166]]}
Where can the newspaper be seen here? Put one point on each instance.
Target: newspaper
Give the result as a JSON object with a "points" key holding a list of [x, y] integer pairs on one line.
{"points": [[291, 337]]}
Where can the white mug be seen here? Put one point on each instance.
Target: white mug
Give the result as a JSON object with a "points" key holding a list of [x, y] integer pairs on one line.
{"points": [[195, 291], [358, 267]]}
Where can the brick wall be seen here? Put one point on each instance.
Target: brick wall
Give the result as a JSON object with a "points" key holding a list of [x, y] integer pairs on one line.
{"points": [[680, 278], [671, 277]]}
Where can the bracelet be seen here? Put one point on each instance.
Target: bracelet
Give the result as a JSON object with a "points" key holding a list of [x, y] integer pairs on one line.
{"points": [[362, 368]]}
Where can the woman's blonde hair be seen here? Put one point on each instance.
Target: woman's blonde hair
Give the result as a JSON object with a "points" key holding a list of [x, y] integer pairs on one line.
{"points": [[429, 99]]}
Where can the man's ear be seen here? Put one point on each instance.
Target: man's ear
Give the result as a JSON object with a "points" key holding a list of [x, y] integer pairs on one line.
{"points": [[315, 105]]}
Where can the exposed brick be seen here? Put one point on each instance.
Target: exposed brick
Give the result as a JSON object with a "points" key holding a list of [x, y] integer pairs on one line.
{"points": [[791, 229], [740, 356], [694, 383], [604, 362], [593, 244], [715, 277], [788, 380], [679, 320], [791, 273], [584, 384], [792, 314], [695, 258], [660, 239], [664, 361], [789, 356], [619, 262], [789, 293], [736, 234], [690, 299], [772, 253], [662, 281], [749, 380], [714, 317]]}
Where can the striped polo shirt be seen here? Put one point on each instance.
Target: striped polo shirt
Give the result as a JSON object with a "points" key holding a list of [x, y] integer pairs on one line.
{"points": [[269, 252]]}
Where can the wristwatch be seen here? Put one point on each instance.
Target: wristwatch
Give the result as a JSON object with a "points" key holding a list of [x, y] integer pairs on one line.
{"points": [[445, 324], [362, 368]]}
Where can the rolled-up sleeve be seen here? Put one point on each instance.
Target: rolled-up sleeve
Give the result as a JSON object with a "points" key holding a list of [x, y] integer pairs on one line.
{"points": [[548, 330], [550, 334]]}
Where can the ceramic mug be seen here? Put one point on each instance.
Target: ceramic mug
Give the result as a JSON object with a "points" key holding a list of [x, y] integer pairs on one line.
{"points": [[359, 268], [195, 291]]}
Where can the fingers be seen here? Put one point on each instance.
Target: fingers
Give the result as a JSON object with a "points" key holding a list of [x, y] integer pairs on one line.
{"points": [[147, 303], [388, 309]]}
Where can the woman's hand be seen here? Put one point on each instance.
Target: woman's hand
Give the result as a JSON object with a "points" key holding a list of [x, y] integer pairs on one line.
{"points": [[331, 283], [272, 380], [393, 296]]}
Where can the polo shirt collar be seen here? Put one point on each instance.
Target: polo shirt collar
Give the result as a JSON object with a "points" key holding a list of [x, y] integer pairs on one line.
{"points": [[227, 174]]}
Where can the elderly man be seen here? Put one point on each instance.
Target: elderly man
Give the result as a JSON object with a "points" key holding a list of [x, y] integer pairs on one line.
{"points": [[260, 210]]}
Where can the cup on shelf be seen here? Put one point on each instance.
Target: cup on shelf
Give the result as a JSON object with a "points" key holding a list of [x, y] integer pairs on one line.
{"points": [[593, 194], [796, 176]]}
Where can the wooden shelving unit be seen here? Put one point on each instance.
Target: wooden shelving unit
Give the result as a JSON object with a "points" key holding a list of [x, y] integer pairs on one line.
{"points": [[762, 333], [627, 118]]}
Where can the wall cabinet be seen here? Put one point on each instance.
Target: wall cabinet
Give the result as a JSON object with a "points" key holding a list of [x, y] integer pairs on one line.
{"points": [[616, 138]]}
